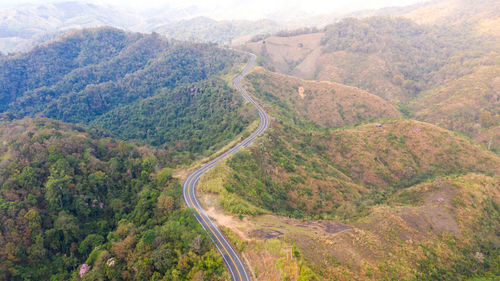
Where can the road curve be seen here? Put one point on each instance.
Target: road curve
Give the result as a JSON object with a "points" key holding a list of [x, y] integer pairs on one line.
{"points": [[231, 258]]}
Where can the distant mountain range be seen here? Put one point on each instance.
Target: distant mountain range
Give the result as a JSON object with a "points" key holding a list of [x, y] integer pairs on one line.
{"points": [[24, 26]]}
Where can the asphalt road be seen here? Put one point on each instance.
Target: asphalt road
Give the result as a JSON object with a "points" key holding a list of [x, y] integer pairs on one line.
{"points": [[231, 258]]}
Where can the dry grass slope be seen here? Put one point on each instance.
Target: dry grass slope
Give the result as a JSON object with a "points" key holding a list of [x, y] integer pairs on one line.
{"points": [[470, 104], [404, 152], [326, 103]]}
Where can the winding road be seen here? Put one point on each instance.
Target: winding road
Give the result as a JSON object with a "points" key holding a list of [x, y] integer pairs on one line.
{"points": [[231, 258]]}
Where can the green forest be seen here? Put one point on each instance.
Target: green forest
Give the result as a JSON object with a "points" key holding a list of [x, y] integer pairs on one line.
{"points": [[69, 198], [192, 118], [143, 87], [79, 197]]}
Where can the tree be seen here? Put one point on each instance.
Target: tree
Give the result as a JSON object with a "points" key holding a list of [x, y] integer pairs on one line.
{"points": [[56, 186], [28, 178], [164, 176], [165, 204], [33, 218], [89, 243]]}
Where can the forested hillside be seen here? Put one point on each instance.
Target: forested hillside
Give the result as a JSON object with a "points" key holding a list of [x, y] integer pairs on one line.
{"points": [[69, 198], [191, 118], [393, 57], [103, 76]]}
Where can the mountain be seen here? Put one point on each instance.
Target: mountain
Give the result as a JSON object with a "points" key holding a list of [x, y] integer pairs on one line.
{"points": [[20, 25], [390, 57], [482, 15], [102, 76], [73, 202], [469, 104], [208, 30], [391, 199]]}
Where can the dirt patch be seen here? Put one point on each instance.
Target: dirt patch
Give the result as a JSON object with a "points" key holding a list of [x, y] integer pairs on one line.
{"points": [[301, 92], [436, 208], [265, 233], [442, 195], [332, 226], [240, 227]]}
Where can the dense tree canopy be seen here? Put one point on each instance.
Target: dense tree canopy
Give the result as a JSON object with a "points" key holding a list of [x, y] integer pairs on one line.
{"points": [[142, 87], [68, 198]]}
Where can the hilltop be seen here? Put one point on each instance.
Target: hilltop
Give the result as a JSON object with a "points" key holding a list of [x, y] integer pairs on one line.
{"points": [[325, 103]]}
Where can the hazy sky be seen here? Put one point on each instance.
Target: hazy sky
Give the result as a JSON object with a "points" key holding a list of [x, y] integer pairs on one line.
{"points": [[253, 8]]}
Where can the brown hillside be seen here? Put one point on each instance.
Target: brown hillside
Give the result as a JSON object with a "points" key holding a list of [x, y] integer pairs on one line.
{"points": [[293, 54], [470, 104], [403, 152], [440, 224], [485, 14], [395, 240], [394, 58], [326, 103]]}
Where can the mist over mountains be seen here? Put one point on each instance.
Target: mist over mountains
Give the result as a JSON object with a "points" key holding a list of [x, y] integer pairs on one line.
{"points": [[23, 26]]}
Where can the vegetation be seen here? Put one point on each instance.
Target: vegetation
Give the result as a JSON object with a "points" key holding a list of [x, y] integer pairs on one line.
{"points": [[398, 186], [193, 118], [103, 76], [69, 200], [412, 52], [327, 104], [394, 58]]}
